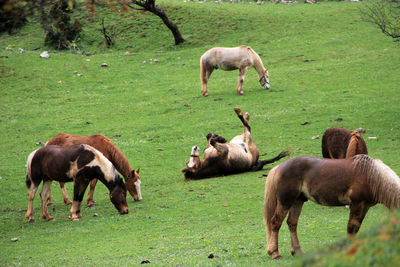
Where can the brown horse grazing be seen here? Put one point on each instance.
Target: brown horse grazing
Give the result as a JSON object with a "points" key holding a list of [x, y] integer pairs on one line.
{"points": [[360, 182], [111, 152], [242, 58], [79, 164], [340, 143], [221, 158]]}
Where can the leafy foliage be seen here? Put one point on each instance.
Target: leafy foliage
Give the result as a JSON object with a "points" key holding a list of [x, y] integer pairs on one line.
{"points": [[13, 15]]}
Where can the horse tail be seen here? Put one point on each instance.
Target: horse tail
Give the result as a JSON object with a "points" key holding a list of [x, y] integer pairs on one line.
{"points": [[270, 201], [260, 164], [28, 180], [356, 145], [202, 70], [383, 181]]}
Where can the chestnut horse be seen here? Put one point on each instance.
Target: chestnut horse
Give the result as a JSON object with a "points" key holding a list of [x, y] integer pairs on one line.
{"points": [[220, 158], [360, 182], [242, 58], [79, 164], [340, 143], [111, 152]]}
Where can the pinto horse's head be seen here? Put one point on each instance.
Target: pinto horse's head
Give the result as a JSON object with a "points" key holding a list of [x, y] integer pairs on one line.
{"points": [[264, 80], [118, 196], [193, 164], [133, 185]]}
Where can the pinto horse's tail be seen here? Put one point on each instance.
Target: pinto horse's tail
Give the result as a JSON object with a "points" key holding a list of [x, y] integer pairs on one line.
{"points": [[260, 164], [270, 201]]}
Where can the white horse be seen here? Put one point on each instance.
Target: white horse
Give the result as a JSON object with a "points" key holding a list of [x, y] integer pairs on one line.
{"points": [[241, 57]]}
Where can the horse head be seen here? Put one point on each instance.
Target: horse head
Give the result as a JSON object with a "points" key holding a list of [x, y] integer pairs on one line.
{"points": [[133, 185], [264, 80], [193, 164], [118, 196]]}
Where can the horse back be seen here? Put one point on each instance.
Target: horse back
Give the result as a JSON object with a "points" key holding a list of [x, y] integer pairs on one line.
{"points": [[327, 182], [98, 141], [58, 163]]}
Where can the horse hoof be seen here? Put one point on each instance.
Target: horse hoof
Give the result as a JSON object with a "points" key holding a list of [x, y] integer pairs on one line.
{"points": [[276, 257], [31, 220], [51, 219], [67, 202], [90, 205], [74, 219], [49, 203]]}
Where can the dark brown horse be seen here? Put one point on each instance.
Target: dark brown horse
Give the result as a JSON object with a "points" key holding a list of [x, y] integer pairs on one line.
{"points": [[111, 152], [360, 182], [340, 143], [221, 158], [79, 164]]}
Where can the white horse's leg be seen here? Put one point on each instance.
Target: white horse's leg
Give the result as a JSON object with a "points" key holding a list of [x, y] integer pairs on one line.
{"points": [[204, 80], [242, 73]]}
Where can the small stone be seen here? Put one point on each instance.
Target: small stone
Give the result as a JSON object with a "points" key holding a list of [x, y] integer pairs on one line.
{"points": [[144, 62], [80, 74], [145, 262], [75, 72], [45, 54], [315, 137], [95, 215], [372, 137], [21, 50], [127, 53], [155, 60], [59, 82], [88, 60], [39, 143], [14, 239], [104, 65]]}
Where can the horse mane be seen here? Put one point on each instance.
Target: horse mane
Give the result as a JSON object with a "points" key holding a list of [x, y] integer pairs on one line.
{"points": [[117, 158], [259, 66], [383, 181], [356, 145]]}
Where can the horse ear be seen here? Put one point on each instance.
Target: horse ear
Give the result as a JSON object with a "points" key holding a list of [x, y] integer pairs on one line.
{"points": [[138, 170]]}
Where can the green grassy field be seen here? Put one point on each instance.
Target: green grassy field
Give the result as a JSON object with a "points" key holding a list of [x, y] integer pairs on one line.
{"points": [[325, 63]]}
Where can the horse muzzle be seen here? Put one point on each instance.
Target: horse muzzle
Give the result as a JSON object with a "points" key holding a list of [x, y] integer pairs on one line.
{"points": [[266, 86], [124, 211]]}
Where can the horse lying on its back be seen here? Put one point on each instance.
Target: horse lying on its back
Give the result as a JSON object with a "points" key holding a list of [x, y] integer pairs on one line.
{"points": [[221, 158]]}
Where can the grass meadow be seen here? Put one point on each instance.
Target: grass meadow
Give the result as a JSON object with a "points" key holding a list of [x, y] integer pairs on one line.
{"points": [[327, 67]]}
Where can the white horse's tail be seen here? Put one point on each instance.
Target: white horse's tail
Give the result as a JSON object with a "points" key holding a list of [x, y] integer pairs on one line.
{"points": [[384, 182]]}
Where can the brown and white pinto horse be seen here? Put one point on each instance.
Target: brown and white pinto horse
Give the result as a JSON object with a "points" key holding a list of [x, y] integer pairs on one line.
{"points": [[111, 152], [79, 164], [221, 158], [242, 58], [340, 143], [360, 182]]}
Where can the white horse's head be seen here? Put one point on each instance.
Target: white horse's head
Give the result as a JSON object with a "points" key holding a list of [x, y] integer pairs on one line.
{"points": [[264, 80]]}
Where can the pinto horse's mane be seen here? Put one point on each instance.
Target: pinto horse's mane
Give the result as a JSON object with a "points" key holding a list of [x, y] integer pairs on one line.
{"points": [[384, 182]]}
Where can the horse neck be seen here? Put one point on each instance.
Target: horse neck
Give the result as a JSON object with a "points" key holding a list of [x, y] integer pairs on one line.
{"points": [[257, 63], [383, 181], [119, 160]]}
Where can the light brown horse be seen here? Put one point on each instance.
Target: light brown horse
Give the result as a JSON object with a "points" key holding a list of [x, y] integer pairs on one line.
{"points": [[111, 152], [224, 58], [360, 182], [340, 143], [221, 158], [79, 164]]}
